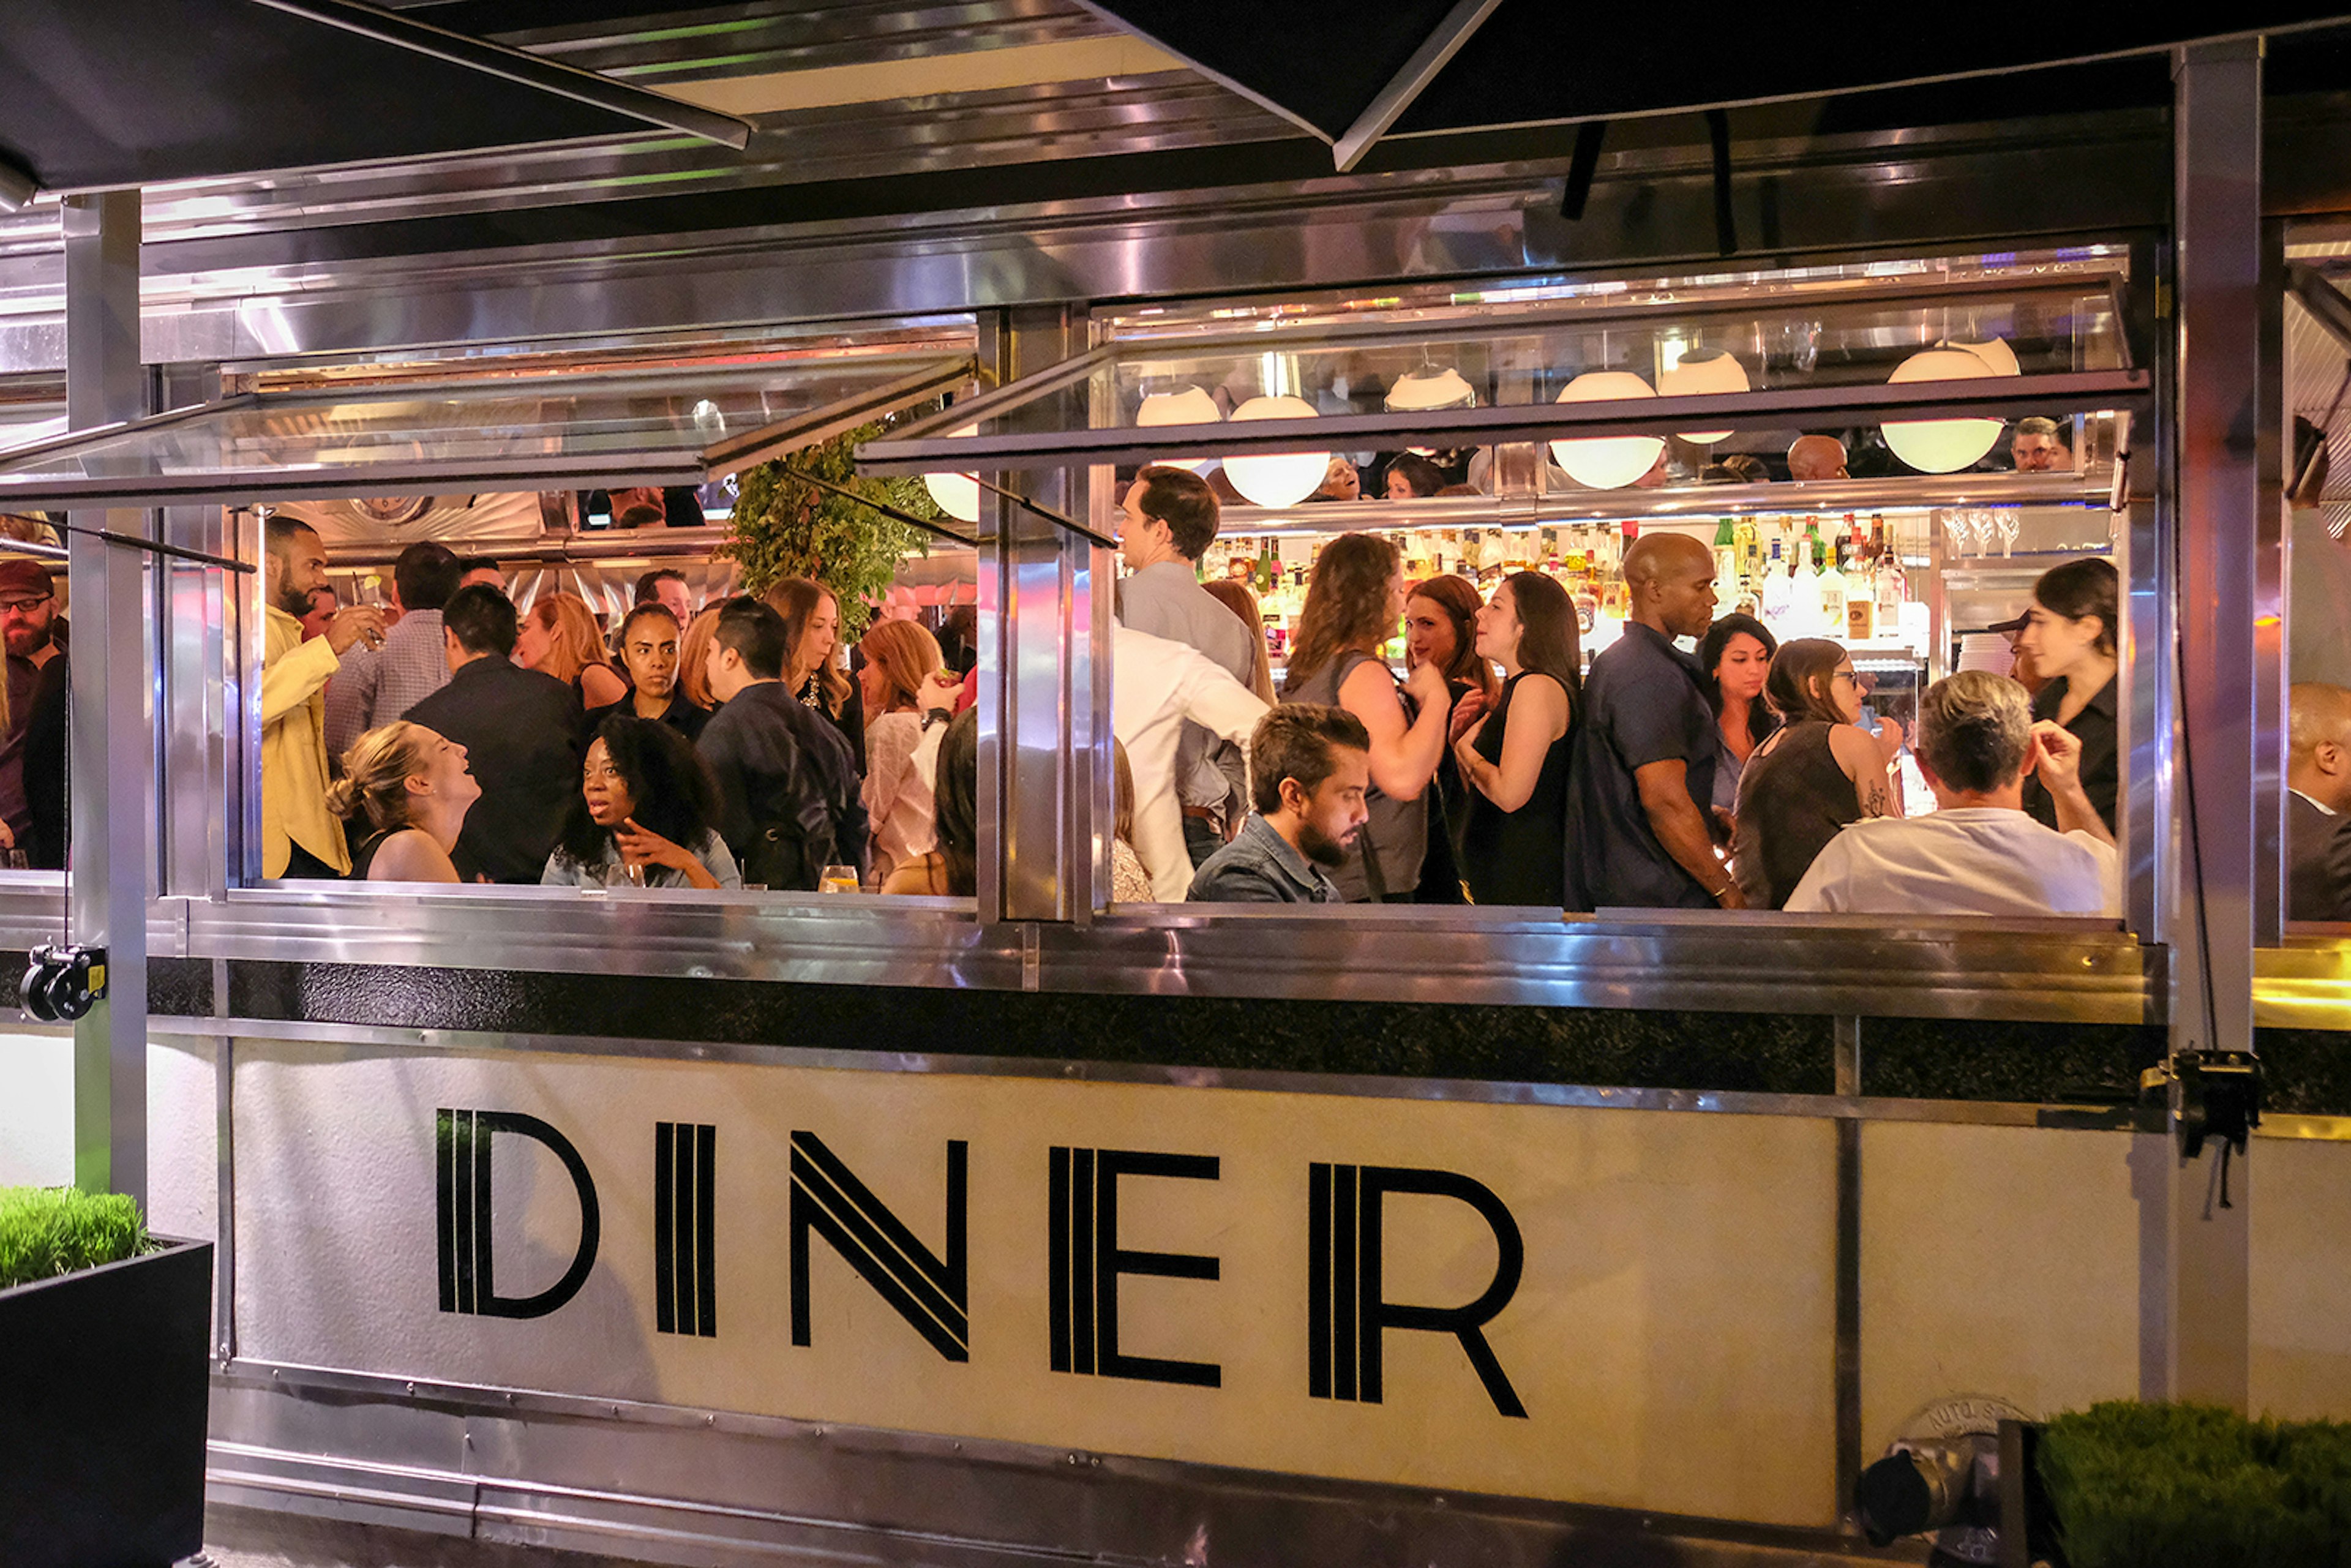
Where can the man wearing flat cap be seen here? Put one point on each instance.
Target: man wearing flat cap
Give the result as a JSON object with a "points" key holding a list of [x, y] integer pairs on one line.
{"points": [[35, 635]]}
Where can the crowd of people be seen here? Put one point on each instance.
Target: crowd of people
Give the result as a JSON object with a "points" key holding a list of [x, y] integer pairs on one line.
{"points": [[450, 738], [1499, 770]]}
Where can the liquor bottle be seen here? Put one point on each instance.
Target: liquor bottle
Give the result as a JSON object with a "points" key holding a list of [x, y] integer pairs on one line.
{"points": [[1830, 579], [1726, 557], [1751, 555], [1778, 593], [1893, 587], [1804, 588], [1265, 577]]}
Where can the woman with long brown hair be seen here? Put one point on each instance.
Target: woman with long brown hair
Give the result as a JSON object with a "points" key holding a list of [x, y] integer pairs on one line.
{"points": [[694, 659], [812, 637], [1440, 628], [1353, 602], [558, 636], [1237, 597], [901, 657], [1818, 771], [1514, 845]]}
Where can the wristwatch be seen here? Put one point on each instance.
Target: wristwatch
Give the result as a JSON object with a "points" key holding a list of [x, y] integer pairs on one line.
{"points": [[932, 716]]}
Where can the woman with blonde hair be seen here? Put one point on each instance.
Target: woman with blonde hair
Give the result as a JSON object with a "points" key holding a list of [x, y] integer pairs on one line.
{"points": [[409, 788], [812, 637], [558, 636], [901, 657], [1354, 602]]}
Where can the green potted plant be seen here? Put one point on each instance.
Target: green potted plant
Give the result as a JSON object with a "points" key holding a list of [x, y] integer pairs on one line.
{"points": [[103, 1400], [785, 527], [2131, 1485]]}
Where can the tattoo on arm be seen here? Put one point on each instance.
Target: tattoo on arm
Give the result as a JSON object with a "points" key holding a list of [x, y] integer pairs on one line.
{"points": [[1872, 799]]}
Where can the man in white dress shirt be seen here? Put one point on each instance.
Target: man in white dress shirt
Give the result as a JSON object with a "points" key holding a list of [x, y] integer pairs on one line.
{"points": [[1979, 852], [1157, 687]]}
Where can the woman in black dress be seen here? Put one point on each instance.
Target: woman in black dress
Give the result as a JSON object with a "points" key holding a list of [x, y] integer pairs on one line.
{"points": [[1440, 628], [1513, 849]]}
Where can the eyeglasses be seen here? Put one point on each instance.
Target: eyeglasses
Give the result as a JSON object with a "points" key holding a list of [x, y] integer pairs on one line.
{"points": [[9, 604], [1844, 676]]}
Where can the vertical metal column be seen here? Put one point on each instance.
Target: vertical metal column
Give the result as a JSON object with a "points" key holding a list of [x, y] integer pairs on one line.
{"points": [[109, 756], [2217, 153], [1043, 751]]}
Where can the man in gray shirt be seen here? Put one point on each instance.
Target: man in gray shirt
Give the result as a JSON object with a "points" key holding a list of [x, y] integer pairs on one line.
{"points": [[1169, 518], [376, 685]]}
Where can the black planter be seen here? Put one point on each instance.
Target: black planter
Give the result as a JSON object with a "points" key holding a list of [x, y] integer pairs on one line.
{"points": [[103, 1382]]}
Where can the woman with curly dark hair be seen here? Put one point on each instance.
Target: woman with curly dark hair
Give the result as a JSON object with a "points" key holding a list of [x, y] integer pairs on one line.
{"points": [[644, 816]]}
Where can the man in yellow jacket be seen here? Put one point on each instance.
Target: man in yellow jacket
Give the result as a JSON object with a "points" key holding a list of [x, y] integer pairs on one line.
{"points": [[298, 836]]}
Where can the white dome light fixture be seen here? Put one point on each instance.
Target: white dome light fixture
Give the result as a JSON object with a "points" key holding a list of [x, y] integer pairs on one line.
{"points": [[1993, 351], [1942, 446], [958, 495], [1277, 478], [1700, 376], [1607, 462], [1427, 391], [1190, 405]]}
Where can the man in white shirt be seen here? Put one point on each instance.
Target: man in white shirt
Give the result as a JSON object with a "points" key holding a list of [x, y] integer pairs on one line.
{"points": [[1156, 686], [1979, 852]]}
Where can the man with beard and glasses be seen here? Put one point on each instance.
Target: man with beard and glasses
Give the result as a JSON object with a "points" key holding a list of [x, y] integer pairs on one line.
{"points": [[299, 837], [36, 636], [1309, 767]]}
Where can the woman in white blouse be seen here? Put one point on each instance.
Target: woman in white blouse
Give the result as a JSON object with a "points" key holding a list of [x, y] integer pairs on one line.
{"points": [[901, 754]]}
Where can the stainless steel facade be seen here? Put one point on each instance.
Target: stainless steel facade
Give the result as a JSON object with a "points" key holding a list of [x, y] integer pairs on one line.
{"points": [[536, 1466]]}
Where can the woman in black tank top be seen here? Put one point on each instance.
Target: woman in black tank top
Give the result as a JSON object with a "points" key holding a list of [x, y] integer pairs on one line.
{"points": [[1513, 849], [1806, 782]]}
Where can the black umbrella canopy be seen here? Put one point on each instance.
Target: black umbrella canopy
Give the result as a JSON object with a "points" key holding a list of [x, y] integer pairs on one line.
{"points": [[100, 94], [1327, 63]]}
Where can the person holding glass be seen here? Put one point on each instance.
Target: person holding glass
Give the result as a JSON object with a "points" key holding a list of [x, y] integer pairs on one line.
{"points": [[643, 817], [1818, 771], [2069, 635], [901, 740]]}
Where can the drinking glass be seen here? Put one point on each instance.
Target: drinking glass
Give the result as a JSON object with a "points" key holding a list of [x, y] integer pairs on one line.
{"points": [[838, 879]]}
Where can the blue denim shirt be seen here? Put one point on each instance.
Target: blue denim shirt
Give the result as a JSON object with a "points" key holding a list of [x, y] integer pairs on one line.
{"points": [[1259, 867]]}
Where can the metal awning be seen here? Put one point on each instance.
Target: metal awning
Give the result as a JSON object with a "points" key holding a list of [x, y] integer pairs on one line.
{"points": [[1809, 355], [676, 426]]}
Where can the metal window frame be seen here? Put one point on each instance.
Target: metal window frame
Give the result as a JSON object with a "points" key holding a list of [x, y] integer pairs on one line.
{"points": [[679, 464]]}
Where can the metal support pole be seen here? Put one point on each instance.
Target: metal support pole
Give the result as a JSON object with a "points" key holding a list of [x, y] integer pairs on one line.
{"points": [[2204, 1269], [109, 756], [1044, 751]]}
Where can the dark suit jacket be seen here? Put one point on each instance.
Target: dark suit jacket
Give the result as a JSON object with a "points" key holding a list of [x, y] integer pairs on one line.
{"points": [[765, 750], [2317, 861], [525, 737]]}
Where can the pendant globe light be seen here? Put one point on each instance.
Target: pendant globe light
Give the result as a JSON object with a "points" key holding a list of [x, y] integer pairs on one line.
{"points": [[1427, 390], [1698, 376], [1942, 446], [1185, 405], [1607, 462], [1277, 478], [1993, 351], [958, 495]]}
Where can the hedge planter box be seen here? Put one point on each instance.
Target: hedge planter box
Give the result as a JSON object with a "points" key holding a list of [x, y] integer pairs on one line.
{"points": [[103, 1382]]}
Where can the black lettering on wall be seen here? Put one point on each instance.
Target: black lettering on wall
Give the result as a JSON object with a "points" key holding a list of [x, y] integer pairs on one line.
{"points": [[1086, 1262], [462, 1144], [685, 1275], [931, 1295], [1346, 1309]]}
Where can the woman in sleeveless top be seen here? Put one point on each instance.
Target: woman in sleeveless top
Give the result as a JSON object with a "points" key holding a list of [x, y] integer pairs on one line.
{"points": [[1819, 772], [1513, 849], [951, 867], [1352, 604], [560, 637], [409, 788], [1440, 628]]}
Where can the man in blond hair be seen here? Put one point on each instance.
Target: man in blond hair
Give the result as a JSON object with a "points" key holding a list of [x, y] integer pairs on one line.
{"points": [[1979, 852]]}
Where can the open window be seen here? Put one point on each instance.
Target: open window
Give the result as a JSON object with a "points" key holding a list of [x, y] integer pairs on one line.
{"points": [[514, 465], [1974, 409]]}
